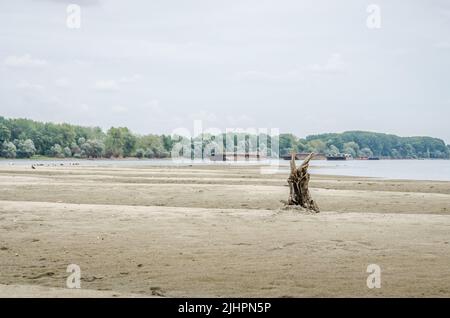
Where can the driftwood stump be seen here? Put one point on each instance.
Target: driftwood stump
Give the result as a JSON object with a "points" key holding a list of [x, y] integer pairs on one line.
{"points": [[298, 184]]}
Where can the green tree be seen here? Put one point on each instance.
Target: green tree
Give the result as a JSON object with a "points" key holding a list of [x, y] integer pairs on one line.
{"points": [[92, 149], [98, 148], [302, 146], [149, 153], [167, 142], [153, 145], [8, 150], [318, 146], [287, 143], [25, 149], [75, 149], [333, 150], [56, 151], [120, 142], [366, 152], [351, 148], [5, 133], [67, 152], [140, 153], [129, 144]]}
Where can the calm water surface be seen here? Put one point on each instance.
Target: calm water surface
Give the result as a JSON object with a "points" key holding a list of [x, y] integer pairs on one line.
{"points": [[390, 169]]}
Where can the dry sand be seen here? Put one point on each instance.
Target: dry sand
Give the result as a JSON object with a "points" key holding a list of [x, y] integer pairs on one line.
{"points": [[217, 230]]}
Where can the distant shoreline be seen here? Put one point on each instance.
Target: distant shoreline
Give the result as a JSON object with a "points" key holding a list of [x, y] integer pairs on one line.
{"points": [[396, 169], [169, 159], [82, 159]]}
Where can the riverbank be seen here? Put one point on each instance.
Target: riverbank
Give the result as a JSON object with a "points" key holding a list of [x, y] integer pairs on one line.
{"points": [[220, 230]]}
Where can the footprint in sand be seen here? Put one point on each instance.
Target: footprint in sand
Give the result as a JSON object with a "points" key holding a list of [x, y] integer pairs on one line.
{"points": [[91, 279], [157, 291], [46, 274]]}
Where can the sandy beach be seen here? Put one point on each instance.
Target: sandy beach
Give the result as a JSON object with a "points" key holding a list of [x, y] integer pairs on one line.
{"points": [[218, 231]]}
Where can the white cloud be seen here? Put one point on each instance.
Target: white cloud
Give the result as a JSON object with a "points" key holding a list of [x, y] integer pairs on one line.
{"points": [[153, 107], [204, 116], [62, 82], [24, 85], [334, 64], [241, 64], [24, 61], [79, 62], [241, 121], [130, 79], [119, 109], [252, 75], [445, 13], [114, 85], [442, 45], [290, 75], [106, 85]]}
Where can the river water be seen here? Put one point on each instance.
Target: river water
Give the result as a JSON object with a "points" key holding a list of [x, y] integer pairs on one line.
{"points": [[389, 169], [438, 170]]}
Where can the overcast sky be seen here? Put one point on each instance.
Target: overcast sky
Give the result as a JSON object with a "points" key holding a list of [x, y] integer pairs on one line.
{"points": [[301, 66]]}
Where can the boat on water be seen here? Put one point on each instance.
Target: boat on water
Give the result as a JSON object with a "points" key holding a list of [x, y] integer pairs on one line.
{"points": [[237, 156], [368, 158], [303, 155], [337, 157]]}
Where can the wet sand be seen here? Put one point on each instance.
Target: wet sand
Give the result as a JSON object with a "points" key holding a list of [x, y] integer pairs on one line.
{"points": [[218, 231]]}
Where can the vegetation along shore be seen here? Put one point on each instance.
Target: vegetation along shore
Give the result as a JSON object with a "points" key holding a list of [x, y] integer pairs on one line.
{"points": [[25, 138]]}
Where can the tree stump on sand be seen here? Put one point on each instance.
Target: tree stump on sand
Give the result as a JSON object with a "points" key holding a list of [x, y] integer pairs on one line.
{"points": [[298, 185]]}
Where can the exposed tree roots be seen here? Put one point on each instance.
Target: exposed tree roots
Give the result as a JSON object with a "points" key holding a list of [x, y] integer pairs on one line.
{"points": [[298, 181]]}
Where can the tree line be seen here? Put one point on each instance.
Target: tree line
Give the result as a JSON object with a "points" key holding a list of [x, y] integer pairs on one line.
{"points": [[24, 138], [367, 144]]}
